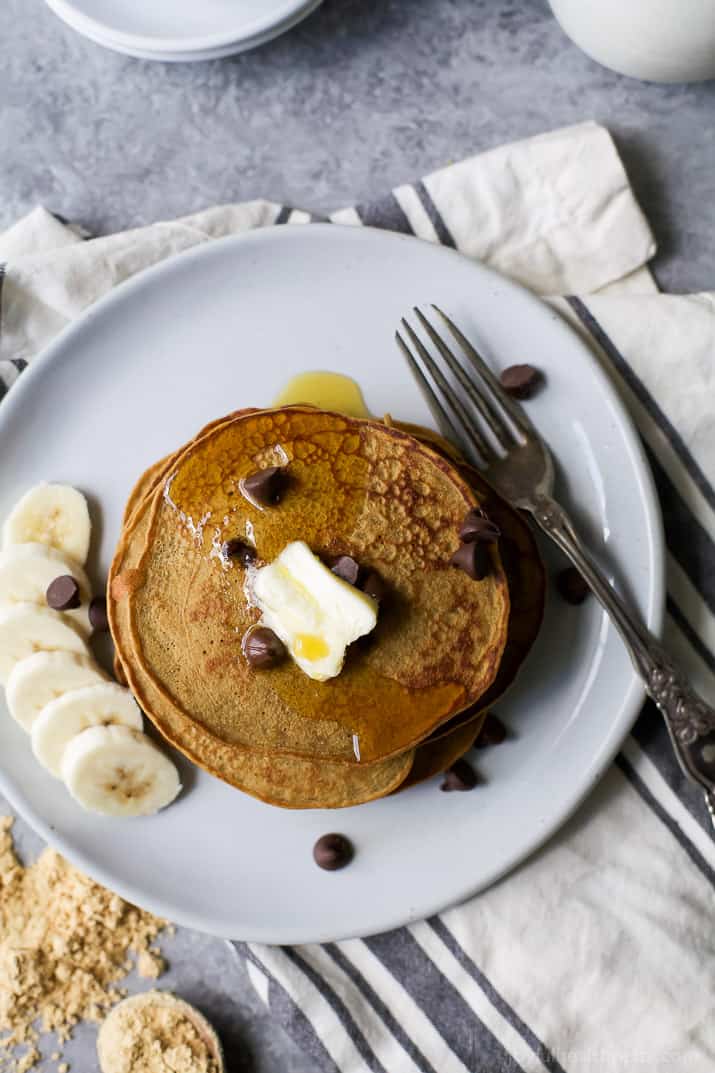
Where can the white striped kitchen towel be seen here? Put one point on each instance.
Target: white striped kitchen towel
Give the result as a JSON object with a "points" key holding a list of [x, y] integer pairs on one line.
{"points": [[598, 954]]}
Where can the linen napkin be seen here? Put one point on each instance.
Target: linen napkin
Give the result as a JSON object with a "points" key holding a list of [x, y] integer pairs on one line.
{"points": [[598, 953]]}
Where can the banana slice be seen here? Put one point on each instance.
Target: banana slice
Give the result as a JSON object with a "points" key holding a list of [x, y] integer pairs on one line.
{"points": [[118, 772], [53, 514], [26, 628], [63, 719], [27, 570], [45, 676]]}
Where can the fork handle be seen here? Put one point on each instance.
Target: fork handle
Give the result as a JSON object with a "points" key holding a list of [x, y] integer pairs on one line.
{"points": [[690, 721]]}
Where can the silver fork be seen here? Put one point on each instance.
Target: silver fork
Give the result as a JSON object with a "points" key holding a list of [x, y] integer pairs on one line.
{"points": [[518, 463]]}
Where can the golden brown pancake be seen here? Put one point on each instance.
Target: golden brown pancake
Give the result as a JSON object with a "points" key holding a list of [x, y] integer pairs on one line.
{"points": [[290, 782], [357, 488]]}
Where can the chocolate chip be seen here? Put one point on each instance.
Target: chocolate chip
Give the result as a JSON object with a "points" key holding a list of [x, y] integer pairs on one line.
{"points": [[263, 648], [98, 614], [240, 550], [473, 559], [374, 586], [477, 527], [266, 486], [461, 776], [521, 381], [332, 852], [572, 586], [346, 568], [63, 593], [492, 733]]}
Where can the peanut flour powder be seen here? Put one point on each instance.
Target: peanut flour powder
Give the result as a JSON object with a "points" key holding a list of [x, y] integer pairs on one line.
{"points": [[65, 944]]}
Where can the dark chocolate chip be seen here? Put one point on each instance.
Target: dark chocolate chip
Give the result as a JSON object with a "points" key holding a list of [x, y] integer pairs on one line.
{"points": [[374, 586], [572, 586], [240, 550], [521, 381], [98, 614], [332, 852], [492, 733], [346, 568], [263, 648], [477, 527], [63, 593], [266, 486], [473, 559], [461, 776]]}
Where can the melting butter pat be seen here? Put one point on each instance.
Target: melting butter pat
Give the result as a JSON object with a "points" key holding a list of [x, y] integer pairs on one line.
{"points": [[315, 613]]}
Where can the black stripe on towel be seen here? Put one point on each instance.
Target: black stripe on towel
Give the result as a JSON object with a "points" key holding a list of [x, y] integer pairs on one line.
{"points": [[692, 637], [499, 1003], [383, 1012], [443, 233], [646, 399], [664, 816], [385, 213], [290, 1016], [283, 215], [455, 1021], [339, 1008]]}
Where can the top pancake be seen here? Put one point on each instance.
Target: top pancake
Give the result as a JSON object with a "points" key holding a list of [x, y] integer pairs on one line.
{"points": [[358, 488]]}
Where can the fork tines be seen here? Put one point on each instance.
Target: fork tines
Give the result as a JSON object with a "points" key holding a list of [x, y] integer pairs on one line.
{"points": [[488, 422]]}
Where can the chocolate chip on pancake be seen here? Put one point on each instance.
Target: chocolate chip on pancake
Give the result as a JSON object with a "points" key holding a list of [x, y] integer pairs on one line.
{"points": [[63, 593], [332, 852], [572, 586], [473, 559], [493, 732], [374, 586], [346, 568], [477, 527], [521, 381], [98, 614], [239, 550], [266, 486], [461, 776], [263, 648]]}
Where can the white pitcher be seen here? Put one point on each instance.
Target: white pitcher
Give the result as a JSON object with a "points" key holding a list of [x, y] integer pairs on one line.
{"points": [[656, 40]]}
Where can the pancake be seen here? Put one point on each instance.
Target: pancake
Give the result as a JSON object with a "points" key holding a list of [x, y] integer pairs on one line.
{"points": [[358, 488], [289, 782]]}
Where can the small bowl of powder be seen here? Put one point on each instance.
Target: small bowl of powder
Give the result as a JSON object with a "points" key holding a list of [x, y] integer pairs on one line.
{"points": [[156, 1032]]}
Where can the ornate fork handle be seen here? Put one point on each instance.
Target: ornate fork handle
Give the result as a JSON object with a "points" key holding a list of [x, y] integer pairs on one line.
{"points": [[690, 721]]}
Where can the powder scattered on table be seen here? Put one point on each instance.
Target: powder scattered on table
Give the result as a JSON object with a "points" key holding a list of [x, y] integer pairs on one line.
{"points": [[65, 945]]}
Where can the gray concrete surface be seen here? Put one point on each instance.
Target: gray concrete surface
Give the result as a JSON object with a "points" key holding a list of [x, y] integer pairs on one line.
{"points": [[363, 95]]}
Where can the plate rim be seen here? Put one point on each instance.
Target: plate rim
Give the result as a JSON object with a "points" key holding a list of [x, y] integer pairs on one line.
{"points": [[284, 932], [257, 32]]}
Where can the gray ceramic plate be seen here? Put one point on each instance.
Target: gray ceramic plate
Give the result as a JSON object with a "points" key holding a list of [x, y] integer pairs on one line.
{"points": [[225, 326]]}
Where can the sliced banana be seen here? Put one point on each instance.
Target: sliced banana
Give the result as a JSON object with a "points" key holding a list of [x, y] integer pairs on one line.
{"points": [[118, 772], [26, 629], [26, 572], [45, 676], [61, 720], [53, 514]]}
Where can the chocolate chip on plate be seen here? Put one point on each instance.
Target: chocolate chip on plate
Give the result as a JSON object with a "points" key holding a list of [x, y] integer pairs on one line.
{"points": [[521, 381], [346, 568], [98, 614], [461, 776], [374, 586], [332, 852], [240, 550], [473, 559], [266, 486], [572, 586], [263, 648], [63, 593], [477, 527], [493, 732]]}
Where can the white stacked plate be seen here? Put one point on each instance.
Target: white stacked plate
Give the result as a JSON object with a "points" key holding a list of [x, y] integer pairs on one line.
{"points": [[180, 30]]}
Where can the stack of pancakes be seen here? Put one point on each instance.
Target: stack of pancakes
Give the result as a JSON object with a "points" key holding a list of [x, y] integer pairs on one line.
{"points": [[411, 698]]}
